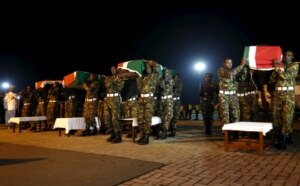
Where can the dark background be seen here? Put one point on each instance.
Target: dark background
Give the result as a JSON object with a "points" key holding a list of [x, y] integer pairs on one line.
{"points": [[49, 40]]}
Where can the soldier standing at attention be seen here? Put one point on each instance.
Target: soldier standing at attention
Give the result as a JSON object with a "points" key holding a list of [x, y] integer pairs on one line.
{"points": [[90, 105], [228, 100], [208, 100], [112, 105], [147, 86], [177, 90], [284, 99], [166, 84], [53, 106]]}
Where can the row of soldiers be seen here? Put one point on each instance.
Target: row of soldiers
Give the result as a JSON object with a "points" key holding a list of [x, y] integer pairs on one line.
{"points": [[152, 96]]}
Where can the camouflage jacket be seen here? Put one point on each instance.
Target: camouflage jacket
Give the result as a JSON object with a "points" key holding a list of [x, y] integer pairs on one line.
{"points": [[285, 77], [177, 88], [148, 83], [208, 92], [113, 84], [166, 84], [92, 89], [244, 80], [227, 78]]}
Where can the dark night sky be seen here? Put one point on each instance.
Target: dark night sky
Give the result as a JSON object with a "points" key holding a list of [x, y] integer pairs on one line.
{"points": [[53, 40]]}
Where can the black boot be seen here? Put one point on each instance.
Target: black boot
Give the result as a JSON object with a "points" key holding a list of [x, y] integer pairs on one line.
{"points": [[289, 139], [173, 133], [163, 134], [118, 138], [86, 132], [111, 137], [94, 131], [281, 142], [145, 140], [141, 138]]}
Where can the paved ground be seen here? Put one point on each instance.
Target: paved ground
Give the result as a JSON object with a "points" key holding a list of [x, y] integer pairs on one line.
{"points": [[192, 158]]}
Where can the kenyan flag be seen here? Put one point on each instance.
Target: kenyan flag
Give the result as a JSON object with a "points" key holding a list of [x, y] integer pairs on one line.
{"points": [[262, 57], [137, 66]]}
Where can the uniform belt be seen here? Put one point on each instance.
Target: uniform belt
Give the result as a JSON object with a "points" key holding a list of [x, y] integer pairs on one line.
{"points": [[253, 92], [227, 92], [92, 99], [52, 101], [167, 97], [146, 95], [41, 102], [284, 88], [242, 94], [26, 103], [155, 98], [132, 99], [71, 97], [176, 98], [112, 95]]}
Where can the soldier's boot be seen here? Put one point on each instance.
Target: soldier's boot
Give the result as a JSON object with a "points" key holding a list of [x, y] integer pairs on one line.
{"points": [[86, 132], [145, 140], [94, 131], [163, 134], [118, 137], [111, 137], [50, 127], [141, 138], [33, 128], [281, 142], [173, 133]]}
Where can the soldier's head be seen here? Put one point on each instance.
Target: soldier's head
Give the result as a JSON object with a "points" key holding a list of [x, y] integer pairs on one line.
{"points": [[28, 88], [176, 77], [148, 68], [11, 88], [113, 70], [92, 76], [166, 72], [208, 77], [288, 56], [228, 63]]}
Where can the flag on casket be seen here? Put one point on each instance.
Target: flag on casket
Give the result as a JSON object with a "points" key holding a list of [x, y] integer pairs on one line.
{"points": [[43, 83], [262, 57], [77, 78], [138, 66]]}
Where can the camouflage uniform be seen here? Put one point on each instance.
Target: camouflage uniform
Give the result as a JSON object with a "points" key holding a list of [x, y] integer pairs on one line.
{"points": [[113, 85], [28, 108], [248, 95], [228, 100], [177, 90], [147, 86], [90, 106], [167, 103], [71, 106], [53, 106], [208, 99], [284, 100]]}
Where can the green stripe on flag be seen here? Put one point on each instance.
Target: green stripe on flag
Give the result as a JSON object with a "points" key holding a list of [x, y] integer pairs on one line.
{"points": [[246, 54]]}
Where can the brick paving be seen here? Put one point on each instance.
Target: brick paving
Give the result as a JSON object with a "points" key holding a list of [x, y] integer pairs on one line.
{"points": [[192, 158]]}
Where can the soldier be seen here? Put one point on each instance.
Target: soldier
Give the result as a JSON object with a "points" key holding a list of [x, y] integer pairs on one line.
{"points": [[29, 106], [197, 109], [284, 99], [228, 100], [53, 106], [147, 87], [10, 103], [90, 106], [208, 101], [177, 90], [166, 84], [113, 85], [182, 113]]}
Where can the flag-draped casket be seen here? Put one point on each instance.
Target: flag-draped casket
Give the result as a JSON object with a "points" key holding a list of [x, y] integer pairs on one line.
{"points": [[77, 78], [43, 83], [138, 66], [262, 57]]}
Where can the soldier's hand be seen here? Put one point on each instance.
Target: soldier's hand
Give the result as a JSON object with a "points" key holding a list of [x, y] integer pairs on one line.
{"points": [[243, 61], [275, 63]]}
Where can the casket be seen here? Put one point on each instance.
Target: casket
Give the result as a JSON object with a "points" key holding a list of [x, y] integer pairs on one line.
{"points": [[41, 84], [262, 57], [77, 78]]}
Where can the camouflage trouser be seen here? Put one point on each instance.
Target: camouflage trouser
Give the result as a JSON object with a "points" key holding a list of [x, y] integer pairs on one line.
{"points": [[89, 113], [112, 113], [145, 112], [40, 110], [283, 110], [253, 105], [130, 108], [176, 113], [167, 112], [207, 109], [27, 110], [53, 110], [244, 108], [71, 109], [229, 108]]}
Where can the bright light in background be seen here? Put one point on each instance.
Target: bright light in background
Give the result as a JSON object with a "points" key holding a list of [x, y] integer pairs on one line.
{"points": [[199, 66], [5, 85]]}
